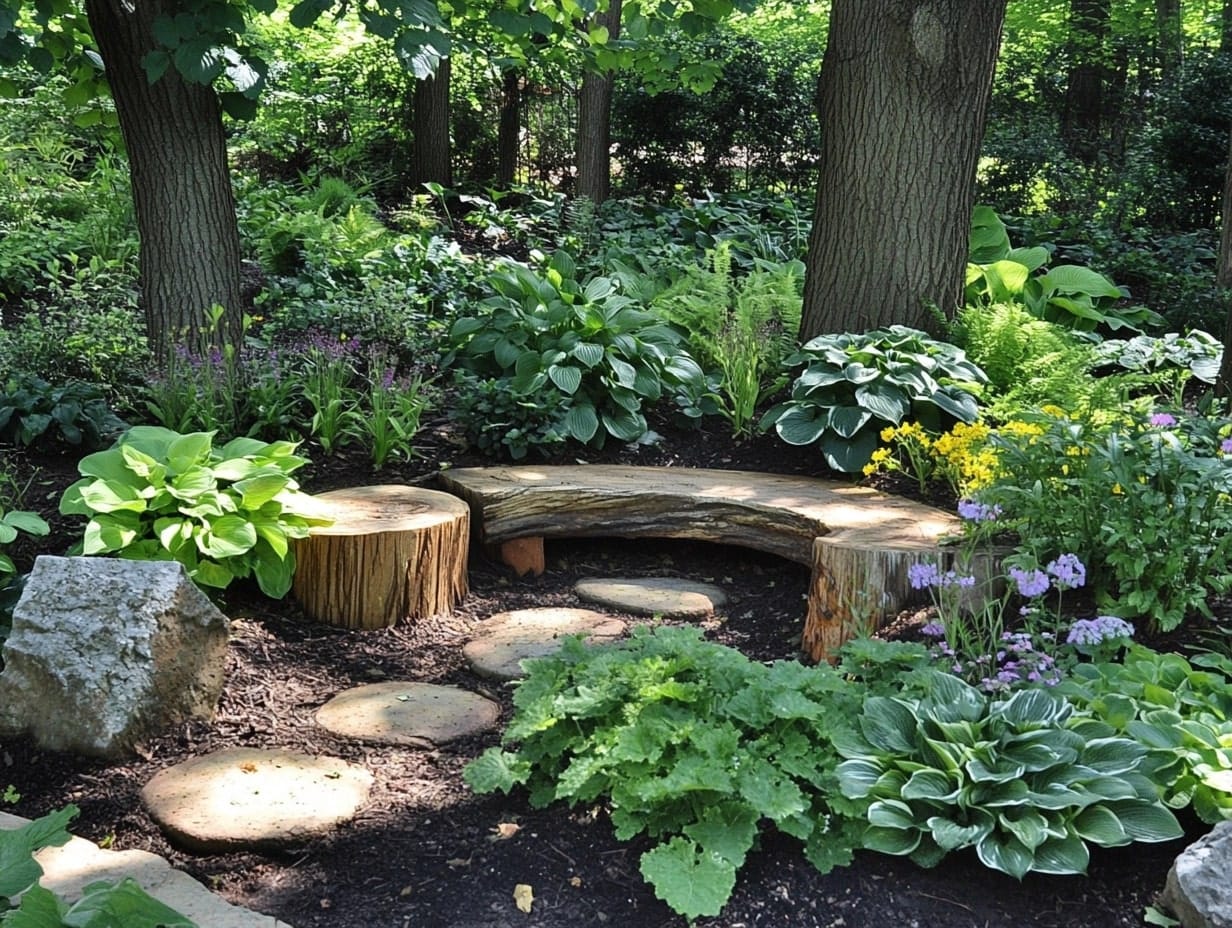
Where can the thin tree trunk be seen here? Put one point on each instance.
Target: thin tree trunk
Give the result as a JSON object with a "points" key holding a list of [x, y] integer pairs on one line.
{"points": [[1223, 277], [1082, 113], [184, 205], [903, 95], [594, 125], [508, 136], [1171, 35], [433, 161]]}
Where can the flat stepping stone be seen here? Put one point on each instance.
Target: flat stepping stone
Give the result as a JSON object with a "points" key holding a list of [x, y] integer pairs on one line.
{"points": [[508, 638], [422, 714], [242, 798], [666, 596]]}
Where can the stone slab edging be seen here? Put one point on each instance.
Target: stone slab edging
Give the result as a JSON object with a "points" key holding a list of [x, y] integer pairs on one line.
{"points": [[67, 869]]}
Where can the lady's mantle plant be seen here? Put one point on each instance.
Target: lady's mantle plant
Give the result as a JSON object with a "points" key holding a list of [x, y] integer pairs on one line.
{"points": [[1025, 780], [221, 512]]}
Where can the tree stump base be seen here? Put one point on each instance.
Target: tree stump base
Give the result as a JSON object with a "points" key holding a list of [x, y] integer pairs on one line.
{"points": [[392, 553]]}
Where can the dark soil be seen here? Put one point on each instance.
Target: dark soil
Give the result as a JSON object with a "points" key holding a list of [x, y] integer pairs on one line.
{"points": [[426, 852]]}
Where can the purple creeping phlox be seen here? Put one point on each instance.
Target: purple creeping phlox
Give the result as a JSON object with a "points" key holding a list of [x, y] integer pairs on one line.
{"points": [[1162, 420], [974, 511]]}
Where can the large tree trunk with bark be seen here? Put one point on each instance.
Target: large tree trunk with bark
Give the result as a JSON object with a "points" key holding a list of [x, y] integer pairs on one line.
{"points": [[594, 125], [1083, 110], [508, 135], [177, 156], [1223, 278], [903, 95], [433, 161]]}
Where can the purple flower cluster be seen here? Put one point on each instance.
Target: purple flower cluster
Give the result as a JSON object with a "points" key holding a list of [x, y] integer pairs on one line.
{"points": [[1226, 446], [1162, 420], [933, 629], [1068, 572], [1104, 629], [1031, 583], [1017, 662], [924, 576], [974, 511]]}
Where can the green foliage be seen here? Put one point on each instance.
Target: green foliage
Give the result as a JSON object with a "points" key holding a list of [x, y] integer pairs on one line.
{"points": [[1176, 357], [1010, 345], [1025, 780], [584, 347], [1181, 713], [853, 386], [12, 523], [692, 743], [1145, 507], [500, 422], [221, 512], [739, 328], [33, 412], [101, 905]]}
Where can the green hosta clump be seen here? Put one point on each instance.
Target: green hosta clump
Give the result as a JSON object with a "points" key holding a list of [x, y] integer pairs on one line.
{"points": [[221, 512], [1027, 781], [101, 903], [584, 350], [853, 386], [692, 744], [1181, 713]]}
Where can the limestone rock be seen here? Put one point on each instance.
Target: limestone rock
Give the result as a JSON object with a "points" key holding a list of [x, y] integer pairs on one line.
{"points": [[107, 652], [243, 798], [407, 713], [508, 638], [667, 596], [1198, 890]]}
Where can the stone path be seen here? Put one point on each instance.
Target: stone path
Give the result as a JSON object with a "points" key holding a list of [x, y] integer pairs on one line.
{"points": [[422, 714], [673, 597], [508, 638]]}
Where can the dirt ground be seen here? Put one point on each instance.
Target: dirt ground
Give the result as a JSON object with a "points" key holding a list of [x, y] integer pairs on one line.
{"points": [[427, 853]]}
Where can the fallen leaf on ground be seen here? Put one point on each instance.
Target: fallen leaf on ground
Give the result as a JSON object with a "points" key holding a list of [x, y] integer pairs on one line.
{"points": [[575, 881], [504, 830], [523, 897]]}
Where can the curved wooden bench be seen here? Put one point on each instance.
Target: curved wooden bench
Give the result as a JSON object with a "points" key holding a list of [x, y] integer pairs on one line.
{"points": [[857, 541]]}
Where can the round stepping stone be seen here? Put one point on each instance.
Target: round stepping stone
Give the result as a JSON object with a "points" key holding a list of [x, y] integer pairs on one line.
{"points": [[508, 638], [241, 798], [421, 714], [666, 596]]}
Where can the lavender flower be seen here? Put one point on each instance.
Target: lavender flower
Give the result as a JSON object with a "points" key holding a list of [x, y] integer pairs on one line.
{"points": [[1070, 573], [1226, 446], [1090, 633], [922, 576], [1031, 583], [933, 629], [978, 512], [1162, 420]]}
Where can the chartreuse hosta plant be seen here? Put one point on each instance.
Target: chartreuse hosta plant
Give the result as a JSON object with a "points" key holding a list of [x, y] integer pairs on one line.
{"points": [[223, 512], [853, 386], [692, 744], [1181, 712], [582, 349], [1025, 780], [101, 903]]}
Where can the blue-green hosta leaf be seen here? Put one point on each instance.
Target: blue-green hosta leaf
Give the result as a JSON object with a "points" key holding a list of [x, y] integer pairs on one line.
{"points": [[958, 403], [30, 522], [693, 882], [891, 813], [848, 420], [953, 699], [1002, 771], [1147, 822], [1076, 279], [819, 377], [1031, 708], [857, 373], [625, 426], [884, 400], [889, 724], [625, 374], [1155, 733], [802, 425], [1062, 856], [1005, 853], [227, 536], [727, 829], [858, 776], [1027, 825], [1112, 755], [18, 869], [997, 795], [581, 422], [949, 757], [1111, 787], [1099, 825], [1033, 757], [931, 784], [851, 454], [894, 841], [567, 379], [108, 496], [950, 836]]}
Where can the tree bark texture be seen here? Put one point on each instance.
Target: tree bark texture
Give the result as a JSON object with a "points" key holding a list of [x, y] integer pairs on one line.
{"points": [[509, 129], [1083, 110], [902, 97], [1171, 35], [594, 126], [433, 156], [184, 204], [392, 553], [1223, 277]]}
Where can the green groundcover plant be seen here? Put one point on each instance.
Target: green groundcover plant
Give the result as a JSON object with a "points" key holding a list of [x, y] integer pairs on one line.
{"points": [[102, 904], [223, 512]]}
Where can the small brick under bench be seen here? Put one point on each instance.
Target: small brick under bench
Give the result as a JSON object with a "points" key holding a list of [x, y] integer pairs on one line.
{"points": [[857, 541]]}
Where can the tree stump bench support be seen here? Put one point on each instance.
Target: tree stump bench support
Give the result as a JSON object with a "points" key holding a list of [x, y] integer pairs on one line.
{"points": [[392, 553], [858, 542]]}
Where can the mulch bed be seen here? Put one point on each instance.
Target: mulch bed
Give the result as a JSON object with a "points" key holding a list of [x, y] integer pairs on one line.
{"points": [[426, 852]]}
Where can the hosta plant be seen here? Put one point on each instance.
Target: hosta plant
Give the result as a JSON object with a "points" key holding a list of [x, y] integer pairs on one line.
{"points": [[1025, 780], [223, 512], [584, 347], [1180, 712], [691, 743], [34, 412], [853, 386]]}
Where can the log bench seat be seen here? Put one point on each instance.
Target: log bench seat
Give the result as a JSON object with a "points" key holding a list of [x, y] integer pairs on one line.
{"points": [[858, 542]]}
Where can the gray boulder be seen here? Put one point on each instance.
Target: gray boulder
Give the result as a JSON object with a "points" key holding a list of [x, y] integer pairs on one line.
{"points": [[105, 653], [1198, 890]]}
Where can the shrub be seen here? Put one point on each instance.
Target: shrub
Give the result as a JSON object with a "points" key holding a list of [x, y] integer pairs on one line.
{"points": [[221, 512], [501, 422], [33, 412], [853, 386]]}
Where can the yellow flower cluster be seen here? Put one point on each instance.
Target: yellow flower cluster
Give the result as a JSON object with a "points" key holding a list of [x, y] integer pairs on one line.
{"points": [[966, 458]]}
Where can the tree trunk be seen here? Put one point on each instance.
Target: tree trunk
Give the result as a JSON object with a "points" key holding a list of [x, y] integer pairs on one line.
{"points": [[433, 163], [508, 136], [177, 157], [594, 125], [1171, 35], [1082, 113], [1223, 277], [1225, 31], [903, 96]]}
